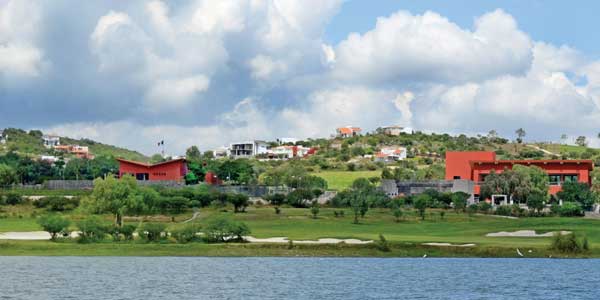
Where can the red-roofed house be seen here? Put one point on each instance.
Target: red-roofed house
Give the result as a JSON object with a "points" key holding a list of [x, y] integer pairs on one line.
{"points": [[348, 131], [173, 170]]}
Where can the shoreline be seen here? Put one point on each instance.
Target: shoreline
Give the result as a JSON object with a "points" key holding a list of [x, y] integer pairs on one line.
{"points": [[397, 250]]}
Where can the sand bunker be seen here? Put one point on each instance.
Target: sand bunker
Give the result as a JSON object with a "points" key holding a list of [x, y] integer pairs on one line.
{"points": [[523, 233], [448, 245]]}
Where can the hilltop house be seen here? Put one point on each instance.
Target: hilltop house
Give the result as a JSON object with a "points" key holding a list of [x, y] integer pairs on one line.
{"points": [[51, 141], [348, 131], [78, 151], [392, 130], [391, 154], [287, 152], [247, 149], [2, 137]]}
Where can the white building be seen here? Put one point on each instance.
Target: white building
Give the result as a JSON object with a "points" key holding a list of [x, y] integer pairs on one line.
{"points": [[51, 141], [2, 137], [392, 130], [49, 158], [247, 149], [348, 131], [221, 152], [391, 154]]}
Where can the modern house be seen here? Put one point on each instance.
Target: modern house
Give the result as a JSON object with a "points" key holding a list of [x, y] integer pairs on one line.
{"points": [[348, 131], [392, 130], [221, 152], [476, 165], [173, 170], [391, 154], [287, 152], [51, 141], [247, 149], [78, 151]]}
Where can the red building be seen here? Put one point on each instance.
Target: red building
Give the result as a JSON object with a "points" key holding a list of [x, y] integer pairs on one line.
{"points": [[475, 165], [173, 170]]}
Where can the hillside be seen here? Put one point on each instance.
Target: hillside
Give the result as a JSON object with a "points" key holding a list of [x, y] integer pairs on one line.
{"points": [[30, 144]]}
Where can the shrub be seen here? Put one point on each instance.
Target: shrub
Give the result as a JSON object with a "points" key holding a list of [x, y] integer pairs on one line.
{"points": [[382, 244], [126, 231], [152, 232], [54, 224], [277, 210], [12, 198], [225, 230], [571, 209], [276, 199], [239, 201], [299, 198], [504, 210], [484, 207], [568, 243], [177, 204], [397, 212], [57, 203], [186, 234], [91, 229], [314, 210], [472, 209]]}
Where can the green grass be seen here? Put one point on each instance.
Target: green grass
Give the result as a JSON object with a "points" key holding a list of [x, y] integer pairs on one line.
{"points": [[297, 224], [340, 180]]}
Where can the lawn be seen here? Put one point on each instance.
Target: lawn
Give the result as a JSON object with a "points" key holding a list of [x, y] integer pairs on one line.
{"points": [[298, 224], [339, 180]]}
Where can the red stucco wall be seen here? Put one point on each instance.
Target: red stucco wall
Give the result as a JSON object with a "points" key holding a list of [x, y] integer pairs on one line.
{"points": [[174, 170]]}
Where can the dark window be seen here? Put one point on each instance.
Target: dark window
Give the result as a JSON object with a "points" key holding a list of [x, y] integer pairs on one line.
{"points": [[554, 179], [456, 177], [571, 178], [142, 176]]}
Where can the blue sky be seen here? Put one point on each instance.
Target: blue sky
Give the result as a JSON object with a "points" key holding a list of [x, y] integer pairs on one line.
{"points": [[208, 73]]}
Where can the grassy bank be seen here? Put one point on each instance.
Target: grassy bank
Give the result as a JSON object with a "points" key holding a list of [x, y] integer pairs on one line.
{"points": [[340, 180]]}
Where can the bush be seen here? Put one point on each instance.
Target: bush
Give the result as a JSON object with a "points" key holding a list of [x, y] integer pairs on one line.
{"points": [[397, 212], [503, 210], [382, 244], [571, 209], [125, 231], [568, 243], [91, 229], [472, 209], [57, 203], [225, 230], [54, 224], [12, 198], [275, 199], [314, 210], [239, 201], [186, 234], [152, 232], [484, 207], [299, 198]]}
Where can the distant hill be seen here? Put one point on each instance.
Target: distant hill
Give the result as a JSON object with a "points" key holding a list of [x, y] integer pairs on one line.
{"points": [[30, 143]]}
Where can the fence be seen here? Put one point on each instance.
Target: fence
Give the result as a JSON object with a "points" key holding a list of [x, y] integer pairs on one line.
{"points": [[254, 191]]}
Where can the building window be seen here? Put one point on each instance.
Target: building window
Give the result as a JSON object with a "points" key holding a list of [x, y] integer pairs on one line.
{"points": [[571, 178], [554, 179], [456, 177]]}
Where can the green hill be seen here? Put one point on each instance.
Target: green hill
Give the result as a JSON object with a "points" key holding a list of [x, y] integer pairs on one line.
{"points": [[30, 144]]}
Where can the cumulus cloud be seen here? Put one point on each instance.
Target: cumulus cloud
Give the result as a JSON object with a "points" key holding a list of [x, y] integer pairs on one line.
{"points": [[430, 48], [19, 54]]}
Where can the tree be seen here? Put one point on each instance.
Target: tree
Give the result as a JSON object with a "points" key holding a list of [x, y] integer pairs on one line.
{"points": [[116, 196], [581, 141], [193, 154], [397, 212], [299, 198], [8, 176], [520, 135], [314, 209], [537, 201], [459, 200], [239, 201], [421, 202], [578, 192], [156, 158], [54, 224]]}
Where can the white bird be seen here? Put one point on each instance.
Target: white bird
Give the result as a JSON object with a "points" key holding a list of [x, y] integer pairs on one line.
{"points": [[519, 252], [424, 255]]}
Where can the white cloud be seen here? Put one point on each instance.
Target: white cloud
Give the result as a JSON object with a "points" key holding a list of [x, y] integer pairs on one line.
{"points": [[430, 48], [19, 26], [264, 67], [175, 93]]}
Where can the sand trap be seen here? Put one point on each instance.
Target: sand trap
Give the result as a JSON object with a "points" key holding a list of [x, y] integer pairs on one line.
{"points": [[285, 240], [31, 235], [523, 233], [448, 245]]}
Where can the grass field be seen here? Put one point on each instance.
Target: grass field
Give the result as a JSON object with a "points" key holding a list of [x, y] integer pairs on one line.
{"points": [[297, 224], [339, 180]]}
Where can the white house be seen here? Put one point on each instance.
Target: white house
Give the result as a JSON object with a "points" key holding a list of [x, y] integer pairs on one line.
{"points": [[220, 152], [248, 149], [51, 141], [392, 130], [286, 152], [391, 154], [348, 131], [2, 137], [49, 158]]}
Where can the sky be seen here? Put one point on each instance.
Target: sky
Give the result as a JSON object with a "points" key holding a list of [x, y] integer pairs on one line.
{"points": [[208, 73]]}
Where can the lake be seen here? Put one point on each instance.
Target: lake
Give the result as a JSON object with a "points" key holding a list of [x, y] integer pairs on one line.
{"points": [[296, 278]]}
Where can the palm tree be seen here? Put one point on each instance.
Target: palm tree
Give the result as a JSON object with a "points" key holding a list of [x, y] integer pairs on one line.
{"points": [[520, 135]]}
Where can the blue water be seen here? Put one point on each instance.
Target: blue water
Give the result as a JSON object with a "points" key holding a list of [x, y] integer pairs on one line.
{"points": [[296, 278]]}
